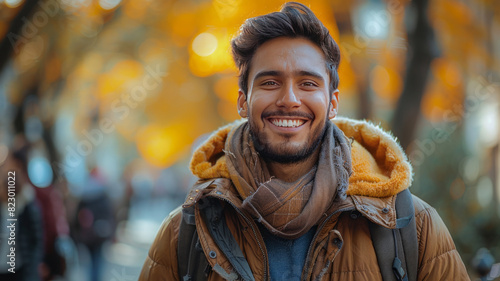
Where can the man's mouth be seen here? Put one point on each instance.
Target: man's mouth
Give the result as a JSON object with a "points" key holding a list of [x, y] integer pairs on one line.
{"points": [[287, 123]]}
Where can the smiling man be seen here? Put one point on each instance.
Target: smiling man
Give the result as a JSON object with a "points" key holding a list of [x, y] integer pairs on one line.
{"points": [[294, 192], [289, 104]]}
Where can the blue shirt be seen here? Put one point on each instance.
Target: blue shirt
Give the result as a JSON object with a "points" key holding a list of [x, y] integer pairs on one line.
{"points": [[286, 256]]}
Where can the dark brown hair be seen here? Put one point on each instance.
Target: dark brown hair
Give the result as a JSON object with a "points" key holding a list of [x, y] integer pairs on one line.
{"points": [[293, 20]]}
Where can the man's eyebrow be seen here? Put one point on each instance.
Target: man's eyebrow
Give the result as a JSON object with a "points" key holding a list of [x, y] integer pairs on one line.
{"points": [[311, 73], [299, 73], [267, 73]]}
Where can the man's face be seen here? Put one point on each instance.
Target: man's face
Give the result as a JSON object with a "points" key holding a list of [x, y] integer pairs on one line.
{"points": [[288, 101]]}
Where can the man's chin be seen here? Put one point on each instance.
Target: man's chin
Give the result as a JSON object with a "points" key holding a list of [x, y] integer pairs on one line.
{"points": [[285, 155]]}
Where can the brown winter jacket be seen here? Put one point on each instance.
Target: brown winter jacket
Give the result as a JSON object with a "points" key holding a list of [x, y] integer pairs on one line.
{"points": [[380, 171]]}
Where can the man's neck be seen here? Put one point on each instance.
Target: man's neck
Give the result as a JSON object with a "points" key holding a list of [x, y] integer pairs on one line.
{"points": [[293, 171]]}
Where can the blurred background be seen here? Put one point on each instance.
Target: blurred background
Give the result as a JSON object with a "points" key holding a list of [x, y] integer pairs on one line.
{"points": [[102, 101]]}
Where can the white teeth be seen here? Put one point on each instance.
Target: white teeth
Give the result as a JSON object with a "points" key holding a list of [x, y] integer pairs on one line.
{"points": [[287, 123]]}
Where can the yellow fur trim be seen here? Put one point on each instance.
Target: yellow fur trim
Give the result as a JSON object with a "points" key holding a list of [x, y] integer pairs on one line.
{"points": [[380, 167], [208, 160]]}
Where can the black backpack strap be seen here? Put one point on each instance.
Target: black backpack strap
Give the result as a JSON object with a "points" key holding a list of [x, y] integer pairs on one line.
{"points": [[397, 249], [192, 263]]}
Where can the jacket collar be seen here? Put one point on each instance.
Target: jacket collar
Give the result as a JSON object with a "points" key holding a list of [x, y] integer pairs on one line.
{"points": [[381, 211], [380, 170]]}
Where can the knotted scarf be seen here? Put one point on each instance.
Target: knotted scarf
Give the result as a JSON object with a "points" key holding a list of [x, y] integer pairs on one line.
{"points": [[288, 210]]}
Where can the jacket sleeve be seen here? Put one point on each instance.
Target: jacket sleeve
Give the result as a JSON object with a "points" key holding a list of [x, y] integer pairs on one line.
{"points": [[161, 263], [438, 257]]}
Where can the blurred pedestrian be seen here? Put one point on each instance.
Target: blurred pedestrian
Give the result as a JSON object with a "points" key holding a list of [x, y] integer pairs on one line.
{"points": [[28, 242], [56, 231], [95, 221]]}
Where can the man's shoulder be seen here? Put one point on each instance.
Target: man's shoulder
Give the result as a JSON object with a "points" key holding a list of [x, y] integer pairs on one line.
{"points": [[161, 262], [169, 229], [430, 227], [437, 253], [422, 208]]}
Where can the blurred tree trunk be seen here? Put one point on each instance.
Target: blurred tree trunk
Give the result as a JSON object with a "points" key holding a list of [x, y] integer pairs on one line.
{"points": [[14, 32], [422, 50]]}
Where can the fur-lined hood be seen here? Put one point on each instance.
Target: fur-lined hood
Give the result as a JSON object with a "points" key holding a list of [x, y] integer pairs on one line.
{"points": [[380, 167]]}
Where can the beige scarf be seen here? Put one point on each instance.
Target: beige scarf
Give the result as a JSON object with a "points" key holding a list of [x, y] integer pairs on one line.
{"points": [[288, 210]]}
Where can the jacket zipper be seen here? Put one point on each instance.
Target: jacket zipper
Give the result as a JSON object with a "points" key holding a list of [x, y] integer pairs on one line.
{"points": [[253, 229], [316, 235]]}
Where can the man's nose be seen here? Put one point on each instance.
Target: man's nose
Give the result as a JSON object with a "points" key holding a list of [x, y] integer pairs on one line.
{"points": [[288, 97]]}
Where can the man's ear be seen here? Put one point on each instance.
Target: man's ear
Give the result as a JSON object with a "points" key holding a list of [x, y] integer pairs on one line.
{"points": [[334, 106], [242, 104]]}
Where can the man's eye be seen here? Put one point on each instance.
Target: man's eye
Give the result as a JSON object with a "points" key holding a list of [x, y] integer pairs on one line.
{"points": [[269, 83], [309, 84]]}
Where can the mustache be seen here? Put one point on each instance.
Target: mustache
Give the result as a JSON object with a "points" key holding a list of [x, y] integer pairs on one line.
{"points": [[281, 113]]}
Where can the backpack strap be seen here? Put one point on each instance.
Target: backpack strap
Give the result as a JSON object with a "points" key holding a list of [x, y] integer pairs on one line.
{"points": [[397, 249], [192, 263]]}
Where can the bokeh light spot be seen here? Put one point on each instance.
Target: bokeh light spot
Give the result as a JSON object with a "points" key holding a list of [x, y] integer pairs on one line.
{"points": [[109, 4], [204, 44], [470, 169], [12, 3], [484, 191], [40, 172], [161, 146]]}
